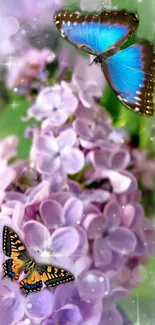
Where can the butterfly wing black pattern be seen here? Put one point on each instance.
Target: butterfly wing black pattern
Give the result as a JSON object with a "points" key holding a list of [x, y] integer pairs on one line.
{"points": [[130, 72], [50, 275], [20, 261], [14, 248]]}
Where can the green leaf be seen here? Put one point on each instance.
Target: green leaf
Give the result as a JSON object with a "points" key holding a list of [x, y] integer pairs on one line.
{"points": [[11, 124]]}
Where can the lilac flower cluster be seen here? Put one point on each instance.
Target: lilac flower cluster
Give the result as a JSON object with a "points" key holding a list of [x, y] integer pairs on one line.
{"points": [[75, 205], [30, 71]]}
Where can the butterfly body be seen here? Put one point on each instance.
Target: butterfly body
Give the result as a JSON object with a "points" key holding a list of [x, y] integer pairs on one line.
{"points": [[21, 262], [130, 71]]}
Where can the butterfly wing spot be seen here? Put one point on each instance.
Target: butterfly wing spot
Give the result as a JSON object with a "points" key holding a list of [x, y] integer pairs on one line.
{"points": [[31, 283], [137, 98], [11, 268]]}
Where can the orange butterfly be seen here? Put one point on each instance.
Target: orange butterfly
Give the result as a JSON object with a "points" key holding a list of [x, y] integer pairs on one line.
{"points": [[21, 261]]}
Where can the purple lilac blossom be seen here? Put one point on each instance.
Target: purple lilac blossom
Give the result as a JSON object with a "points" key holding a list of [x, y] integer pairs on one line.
{"points": [[79, 209], [98, 234], [30, 70], [54, 104]]}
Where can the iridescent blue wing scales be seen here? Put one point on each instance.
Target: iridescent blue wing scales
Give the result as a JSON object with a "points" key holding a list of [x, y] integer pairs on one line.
{"points": [[130, 71], [130, 74], [95, 34]]}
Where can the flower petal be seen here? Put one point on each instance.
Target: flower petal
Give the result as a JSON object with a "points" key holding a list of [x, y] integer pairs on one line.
{"points": [[18, 214], [41, 304], [6, 178], [120, 183], [95, 225], [111, 316], [112, 213], [72, 160], [69, 314], [93, 285], [38, 193], [11, 303], [73, 211], [120, 160], [82, 264], [122, 241], [46, 144], [102, 252], [36, 235], [52, 214], [47, 164], [64, 241], [67, 138]]}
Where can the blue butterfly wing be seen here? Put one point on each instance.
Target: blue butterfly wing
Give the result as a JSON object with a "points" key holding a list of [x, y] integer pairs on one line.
{"points": [[130, 74], [95, 34]]}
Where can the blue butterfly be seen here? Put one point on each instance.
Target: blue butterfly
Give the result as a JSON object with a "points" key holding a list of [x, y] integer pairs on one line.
{"points": [[128, 71]]}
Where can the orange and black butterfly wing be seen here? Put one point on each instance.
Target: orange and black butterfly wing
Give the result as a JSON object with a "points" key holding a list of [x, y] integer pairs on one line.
{"points": [[14, 248], [52, 275], [32, 283]]}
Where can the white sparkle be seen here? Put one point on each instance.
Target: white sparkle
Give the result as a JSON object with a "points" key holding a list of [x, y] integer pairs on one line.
{"points": [[9, 63], [29, 306], [14, 105], [139, 1], [45, 253], [27, 321]]}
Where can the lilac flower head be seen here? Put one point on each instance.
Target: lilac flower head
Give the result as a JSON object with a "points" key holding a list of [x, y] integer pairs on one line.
{"points": [[54, 104], [92, 125], [30, 71], [50, 154], [82, 211]]}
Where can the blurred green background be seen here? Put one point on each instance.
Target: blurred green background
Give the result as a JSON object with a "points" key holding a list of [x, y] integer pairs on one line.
{"points": [[140, 306]]}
